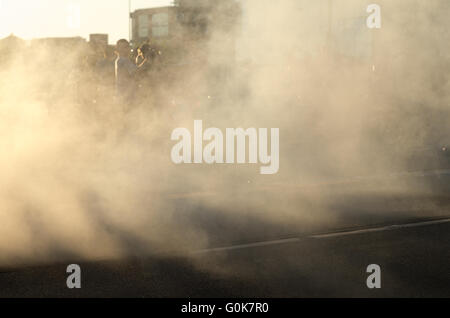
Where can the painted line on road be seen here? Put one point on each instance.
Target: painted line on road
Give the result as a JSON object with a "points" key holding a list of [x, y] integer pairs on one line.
{"points": [[323, 236], [251, 245], [379, 229]]}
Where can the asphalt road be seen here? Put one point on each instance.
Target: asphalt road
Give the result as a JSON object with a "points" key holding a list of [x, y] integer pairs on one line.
{"points": [[414, 261], [407, 236]]}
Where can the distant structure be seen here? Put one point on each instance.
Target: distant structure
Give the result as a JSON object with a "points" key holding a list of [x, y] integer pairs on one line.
{"points": [[191, 17], [69, 42], [98, 39], [11, 40], [9, 46], [154, 23], [189, 28]]}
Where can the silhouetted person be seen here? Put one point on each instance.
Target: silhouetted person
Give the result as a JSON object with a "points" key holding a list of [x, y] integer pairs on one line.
{"points": [[105, 67], [142, 57], [125, 72], [105, 77], [147, 76]]}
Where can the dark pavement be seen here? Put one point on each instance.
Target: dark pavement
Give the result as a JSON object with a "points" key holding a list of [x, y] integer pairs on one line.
{"points": [[415, 262], [407, 235]]}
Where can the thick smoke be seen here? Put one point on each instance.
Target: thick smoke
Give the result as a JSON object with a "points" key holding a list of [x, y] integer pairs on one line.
{"points": [[84, 177]]}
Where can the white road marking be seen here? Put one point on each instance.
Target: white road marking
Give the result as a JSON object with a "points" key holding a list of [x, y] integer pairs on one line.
{"points": [[322, 236], [243, 246], [379, 229]]}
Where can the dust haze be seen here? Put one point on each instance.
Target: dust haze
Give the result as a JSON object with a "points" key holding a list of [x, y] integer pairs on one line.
{"points": [[81, 177]]}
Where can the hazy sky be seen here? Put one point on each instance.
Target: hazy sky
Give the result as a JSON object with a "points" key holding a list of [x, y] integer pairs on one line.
{"points": [[55, 18]]}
